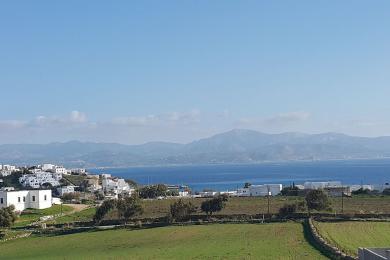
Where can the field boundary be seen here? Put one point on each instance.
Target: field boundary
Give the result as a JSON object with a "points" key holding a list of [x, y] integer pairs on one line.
{"points": [[324, 245]]}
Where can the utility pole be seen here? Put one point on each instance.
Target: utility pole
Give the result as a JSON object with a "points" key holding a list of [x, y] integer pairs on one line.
{"points": [[342, 201], [269, 202]]}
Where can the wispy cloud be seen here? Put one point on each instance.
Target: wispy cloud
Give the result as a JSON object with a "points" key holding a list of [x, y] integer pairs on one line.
{"points": [[281, 119], [172, 118]]}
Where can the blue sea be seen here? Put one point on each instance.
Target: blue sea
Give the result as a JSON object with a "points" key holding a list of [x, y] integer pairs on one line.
{"points": [[230, 177]]}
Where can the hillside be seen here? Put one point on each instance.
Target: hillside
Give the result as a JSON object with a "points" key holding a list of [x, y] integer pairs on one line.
{"points": [[236, 146]]}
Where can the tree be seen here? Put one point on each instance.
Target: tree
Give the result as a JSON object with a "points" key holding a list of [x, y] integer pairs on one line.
{"points": [[153, 191], [71, 196], [129, 207], [288, 210], [7, 216], [317, 200], [132, 183], [214, 205], [247, 185], [290, 191], [361, 191], [386, 191], [103, 210], [181, 210]]}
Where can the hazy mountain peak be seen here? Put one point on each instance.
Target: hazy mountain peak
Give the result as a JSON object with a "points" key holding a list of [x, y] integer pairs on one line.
{"points": [[235, 146]]}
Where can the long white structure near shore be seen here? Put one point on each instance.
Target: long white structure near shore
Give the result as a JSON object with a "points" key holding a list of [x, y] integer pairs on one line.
{"points": [[24, 199]]}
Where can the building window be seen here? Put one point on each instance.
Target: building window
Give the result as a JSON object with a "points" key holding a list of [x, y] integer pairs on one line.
{"points": [[33, 198], [1, 200], [24, 199], [45, 197], [18, 199]]}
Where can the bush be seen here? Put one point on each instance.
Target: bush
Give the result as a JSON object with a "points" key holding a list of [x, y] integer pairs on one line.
{"points": [[181, 210], [71, 196], [317, 200], [288, 210], [153, 191], [7, 216], [290, 191], [214, 205]]}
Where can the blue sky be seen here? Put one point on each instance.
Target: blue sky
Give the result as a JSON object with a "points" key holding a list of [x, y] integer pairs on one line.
{"points": [[139, 71]]}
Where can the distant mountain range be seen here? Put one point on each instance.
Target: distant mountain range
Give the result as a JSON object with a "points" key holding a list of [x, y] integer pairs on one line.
{"points": [[236, 146]]}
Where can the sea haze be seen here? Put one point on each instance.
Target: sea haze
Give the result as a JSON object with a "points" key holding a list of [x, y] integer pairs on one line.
{"points": [[228, 177]]}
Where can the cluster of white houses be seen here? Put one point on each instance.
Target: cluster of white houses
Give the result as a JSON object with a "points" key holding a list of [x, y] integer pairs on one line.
{"points": [[6, 169]]}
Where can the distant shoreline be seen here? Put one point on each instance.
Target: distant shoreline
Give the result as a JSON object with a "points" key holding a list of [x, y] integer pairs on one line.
{"points": [[227, 164]]}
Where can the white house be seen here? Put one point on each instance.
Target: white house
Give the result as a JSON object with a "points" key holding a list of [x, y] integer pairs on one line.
{"points": [[6, 170], [364, 187], [65, 189], [60, 170], [243, 192], [79, 171], [48, 167], [309, 185], [265, 190], [24, 199], [115, 185]]}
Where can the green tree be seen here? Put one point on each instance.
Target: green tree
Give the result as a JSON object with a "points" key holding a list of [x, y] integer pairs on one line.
{"points": [[71, 196], [181, 210], [386, 191], [153, 191], [132, 183], [247, 185], [7, 216], [214, 205], [103, 210], [128, 207], [289, 191], [317, 200], [288, 210]]}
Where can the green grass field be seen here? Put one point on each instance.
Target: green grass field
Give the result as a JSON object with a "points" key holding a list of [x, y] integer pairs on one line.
{"points": [[218, 241], [349, 236], [84, 215], [32, 215], [250, 206]]}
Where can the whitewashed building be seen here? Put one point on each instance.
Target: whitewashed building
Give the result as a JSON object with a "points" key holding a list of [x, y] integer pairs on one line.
{"points": [[364, 187], [310, 185], [24, 199], [65, 189], [115, 185], [79, 171], [47, 167], [243, 192], [6, 170], [265, 190], [39, 178]]}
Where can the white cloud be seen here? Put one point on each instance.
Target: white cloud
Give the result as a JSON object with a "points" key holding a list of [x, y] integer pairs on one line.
{"points": [[172, 118], [11, 124], [287, 118], [282, 119], [78, 117]]}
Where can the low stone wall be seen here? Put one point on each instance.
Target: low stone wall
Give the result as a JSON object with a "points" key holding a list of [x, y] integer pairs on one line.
{"points": [[323, 244]]}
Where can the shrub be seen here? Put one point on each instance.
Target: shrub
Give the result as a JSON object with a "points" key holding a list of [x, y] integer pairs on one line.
{"points": [[214, 205], [7, 216], [317, 200], [181, 210]]}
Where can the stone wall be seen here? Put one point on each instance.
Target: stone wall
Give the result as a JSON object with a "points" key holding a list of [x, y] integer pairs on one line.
{"points": [[323, 244]]}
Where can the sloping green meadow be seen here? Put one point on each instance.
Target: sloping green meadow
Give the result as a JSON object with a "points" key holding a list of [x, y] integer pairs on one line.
{"points": [[217, 241], [349, 236]]}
